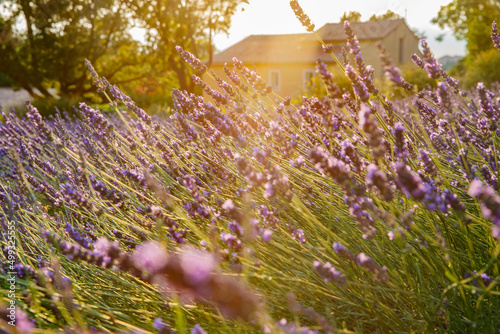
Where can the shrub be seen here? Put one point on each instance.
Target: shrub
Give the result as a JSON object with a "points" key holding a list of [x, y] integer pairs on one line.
{"points": [[483, 68]]}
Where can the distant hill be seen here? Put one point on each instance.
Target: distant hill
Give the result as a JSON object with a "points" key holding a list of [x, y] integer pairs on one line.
{"points": [[449, 61]]}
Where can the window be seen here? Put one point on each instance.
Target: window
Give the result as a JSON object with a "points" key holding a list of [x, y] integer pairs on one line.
{"points": [[401, 50], [275, 80], [307, 78]]}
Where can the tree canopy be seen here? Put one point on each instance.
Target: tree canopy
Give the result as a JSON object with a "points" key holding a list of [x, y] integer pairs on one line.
{"points": [[470, 20], [43, 43], [389, 15], [190, 24], [354, 16]]}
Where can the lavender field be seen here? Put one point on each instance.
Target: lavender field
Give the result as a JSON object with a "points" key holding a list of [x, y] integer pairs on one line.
{"points": [[247, 212]]}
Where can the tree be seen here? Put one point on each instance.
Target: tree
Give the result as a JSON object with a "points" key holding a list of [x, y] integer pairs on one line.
{"points": [[470, 20], [484, 68], [43, 43], [190, 24], [352, 16], [389, 15]]}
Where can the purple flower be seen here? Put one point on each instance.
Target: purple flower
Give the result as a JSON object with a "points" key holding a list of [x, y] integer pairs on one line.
{"points": [[409, 182], [334, 92], [303, 18], [162, 327], [95, 77], [331, 166], [400, 140], [197, 329], [485, 100], [22, 323], [268, 190], [357, 209], [329, 273], [430, 64], [490, 204], [342, 251], [378, 179], [363, 259], [292, 327], [367, 262], [102, 245], [357, 83], [192, 60], [235, 227], [150, 257], [392, 72], [338, 247], [427, 163], [197, 265], [416, 59], [495, 36], [297, 233], [352, 41], [228, 205], [231, 240], [266, 235], [369, 124]]}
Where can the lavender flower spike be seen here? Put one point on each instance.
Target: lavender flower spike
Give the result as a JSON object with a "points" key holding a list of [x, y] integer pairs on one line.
{"points": [[329, 273], [303, 17], [379, 273], [352, 41], [431, 65], [495, 36], [192, 60], [358, 84], [95, 77], [392, 72], [490, 204]]}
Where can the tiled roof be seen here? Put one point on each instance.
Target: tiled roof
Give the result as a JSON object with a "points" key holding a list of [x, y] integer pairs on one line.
{"points": [[290, 48], [300, 48]]}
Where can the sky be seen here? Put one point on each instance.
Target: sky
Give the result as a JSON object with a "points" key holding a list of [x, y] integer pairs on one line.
{"points": [[276, 17]]}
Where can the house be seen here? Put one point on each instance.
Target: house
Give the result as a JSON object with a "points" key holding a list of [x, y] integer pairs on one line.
{"points": [[288, 61]]}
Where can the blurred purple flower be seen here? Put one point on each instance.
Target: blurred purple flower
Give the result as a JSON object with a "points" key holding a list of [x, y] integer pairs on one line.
{"points": [[490, 204], [23, 323], [197, 329], [197, 265], [150, 257], [266, 235]]}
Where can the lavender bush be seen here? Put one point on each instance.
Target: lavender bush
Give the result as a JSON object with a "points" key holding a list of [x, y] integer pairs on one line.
{"points": [[248, 212]]}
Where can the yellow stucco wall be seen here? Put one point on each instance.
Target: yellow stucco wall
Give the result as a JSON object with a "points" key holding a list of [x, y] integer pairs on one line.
{"points": [[410, 44], [292, 76]]}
